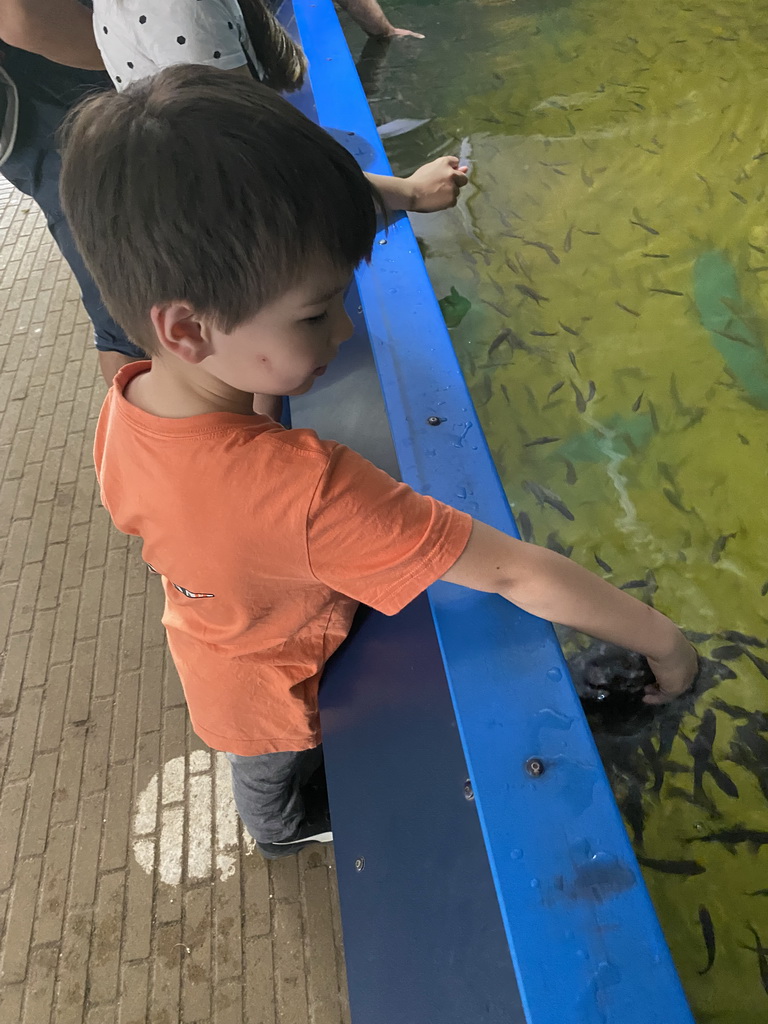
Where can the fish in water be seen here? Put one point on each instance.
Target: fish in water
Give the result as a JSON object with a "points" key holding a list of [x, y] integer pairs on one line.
{"points": [[524, 526], [568, 240], [762, 958], [572, 358], [626, 309], [555, 388], [570, 472], [719, 546], [568, 330], [673, 867], [547, 249], [664, 291], [546, 497], [401, 126], [631, 807], [639, 223], [700, 749], [603, 565], [734, 836], [581, 404], [529, 293], [708, 934], [540, 440], [499, 340], [637, 401]]}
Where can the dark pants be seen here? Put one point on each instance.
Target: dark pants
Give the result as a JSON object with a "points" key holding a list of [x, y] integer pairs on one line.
{"points": [[34, 167], [268, 794]]}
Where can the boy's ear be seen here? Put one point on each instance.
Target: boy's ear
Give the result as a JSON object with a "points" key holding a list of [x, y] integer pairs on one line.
{"points": [[181, 331]]}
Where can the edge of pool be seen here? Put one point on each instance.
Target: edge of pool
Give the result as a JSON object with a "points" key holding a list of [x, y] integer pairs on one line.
{"points": [[583, 933]]}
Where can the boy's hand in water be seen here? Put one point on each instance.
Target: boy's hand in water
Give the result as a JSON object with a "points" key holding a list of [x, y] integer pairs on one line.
{"points": [[675, 673], [436, 185], [399, 33]]}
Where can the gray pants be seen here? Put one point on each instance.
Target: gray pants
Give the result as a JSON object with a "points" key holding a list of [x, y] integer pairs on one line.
{"points": [[267, 791]]}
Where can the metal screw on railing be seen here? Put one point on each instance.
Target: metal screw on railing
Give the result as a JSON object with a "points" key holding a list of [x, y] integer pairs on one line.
{"points": [[534, 766]]}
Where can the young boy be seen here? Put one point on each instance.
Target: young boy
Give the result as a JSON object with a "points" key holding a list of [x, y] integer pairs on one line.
{"points": [[188, 197]]}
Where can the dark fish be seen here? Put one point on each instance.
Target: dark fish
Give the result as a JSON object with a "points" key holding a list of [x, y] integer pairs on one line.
{"points": [[728, 652], [739, 196], [674, 499], [673, 867], [664, 291], [524, 526], [546, 497], [572, 358], [546, 248], [634, 585], [719, 546], [734, 836], [588, 180], [524, 267], [603, 565], [708, 933], [762, 958], [581, 404], [567, 241], [637, 401], [568, 330], [529, 293], [656, 255], [757, 892], [764, 589], [570, 472], [639, 224], [544, 334], [554, 544], [759, 156], [588, 232], [592, 391], [540, 440], [744, 440], [632, 809], [626, 309], [556, 170], [654, 417], [759, 663], [499, 340], [505, 392], [555, 388]]}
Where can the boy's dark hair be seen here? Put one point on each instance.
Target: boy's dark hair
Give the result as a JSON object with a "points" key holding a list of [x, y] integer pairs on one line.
{"points": [[203, 186]]}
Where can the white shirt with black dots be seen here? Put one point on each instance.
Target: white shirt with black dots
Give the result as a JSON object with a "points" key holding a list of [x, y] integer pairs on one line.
{"points": [[138, 38]]}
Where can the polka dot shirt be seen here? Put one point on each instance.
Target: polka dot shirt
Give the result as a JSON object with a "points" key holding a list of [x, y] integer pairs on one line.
{"points": [[138, 38]]}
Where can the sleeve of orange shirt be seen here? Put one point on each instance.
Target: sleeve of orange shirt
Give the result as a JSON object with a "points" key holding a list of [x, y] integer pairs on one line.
{"points": [[377, 540]]}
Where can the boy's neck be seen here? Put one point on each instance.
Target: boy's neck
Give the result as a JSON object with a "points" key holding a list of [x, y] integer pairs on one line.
{"points": [[174, 390]]}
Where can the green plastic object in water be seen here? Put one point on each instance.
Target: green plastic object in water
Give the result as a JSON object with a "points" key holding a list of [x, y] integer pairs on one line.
{"points": [[723, 312]]}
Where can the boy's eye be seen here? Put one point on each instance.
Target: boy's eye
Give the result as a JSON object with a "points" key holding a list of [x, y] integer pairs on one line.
{"points": [[317, 319]]}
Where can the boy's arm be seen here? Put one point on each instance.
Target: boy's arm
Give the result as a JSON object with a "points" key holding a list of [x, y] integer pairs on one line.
{"points": [[552, 587], [372, 20], [434, 186], [61, 30]]}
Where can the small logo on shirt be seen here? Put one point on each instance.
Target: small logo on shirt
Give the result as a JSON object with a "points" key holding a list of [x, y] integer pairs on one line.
{"points": [[181, 590]]}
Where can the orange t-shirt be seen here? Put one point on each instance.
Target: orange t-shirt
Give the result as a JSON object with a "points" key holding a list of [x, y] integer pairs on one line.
{"points": [[266, 540]]}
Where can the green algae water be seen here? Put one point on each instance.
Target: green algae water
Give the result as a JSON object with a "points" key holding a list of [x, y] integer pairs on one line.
{"points": [[605, 282]]}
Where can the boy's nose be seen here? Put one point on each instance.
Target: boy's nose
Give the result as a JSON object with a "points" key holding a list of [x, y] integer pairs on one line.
{"points": [[345, 329]]}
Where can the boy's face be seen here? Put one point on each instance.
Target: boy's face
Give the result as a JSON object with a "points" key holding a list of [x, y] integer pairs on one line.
{"points": [[289, 343]]}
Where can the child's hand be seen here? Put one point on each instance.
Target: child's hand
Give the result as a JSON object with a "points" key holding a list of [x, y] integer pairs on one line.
{"points": [[675, 673], [436, 185], [398, 33]]}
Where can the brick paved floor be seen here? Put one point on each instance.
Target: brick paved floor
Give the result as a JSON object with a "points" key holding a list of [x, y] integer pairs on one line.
{"points": [[127, 893]]}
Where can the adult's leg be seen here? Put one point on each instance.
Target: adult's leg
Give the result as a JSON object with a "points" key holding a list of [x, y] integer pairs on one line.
{"points": [[34, 169]]}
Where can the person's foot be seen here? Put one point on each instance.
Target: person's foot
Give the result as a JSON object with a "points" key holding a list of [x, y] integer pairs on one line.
{"points": [[308, 833]]}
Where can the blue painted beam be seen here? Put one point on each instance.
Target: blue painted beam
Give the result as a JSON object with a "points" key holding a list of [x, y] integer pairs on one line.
{"points": [[582, 931]]}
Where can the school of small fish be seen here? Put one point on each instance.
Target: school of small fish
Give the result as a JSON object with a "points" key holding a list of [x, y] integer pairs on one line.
{"points": [[606, 286]]}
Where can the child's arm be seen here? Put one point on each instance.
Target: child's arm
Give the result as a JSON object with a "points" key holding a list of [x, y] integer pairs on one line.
{"points": [[434, 186], [62, 31], [553, 587]]}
